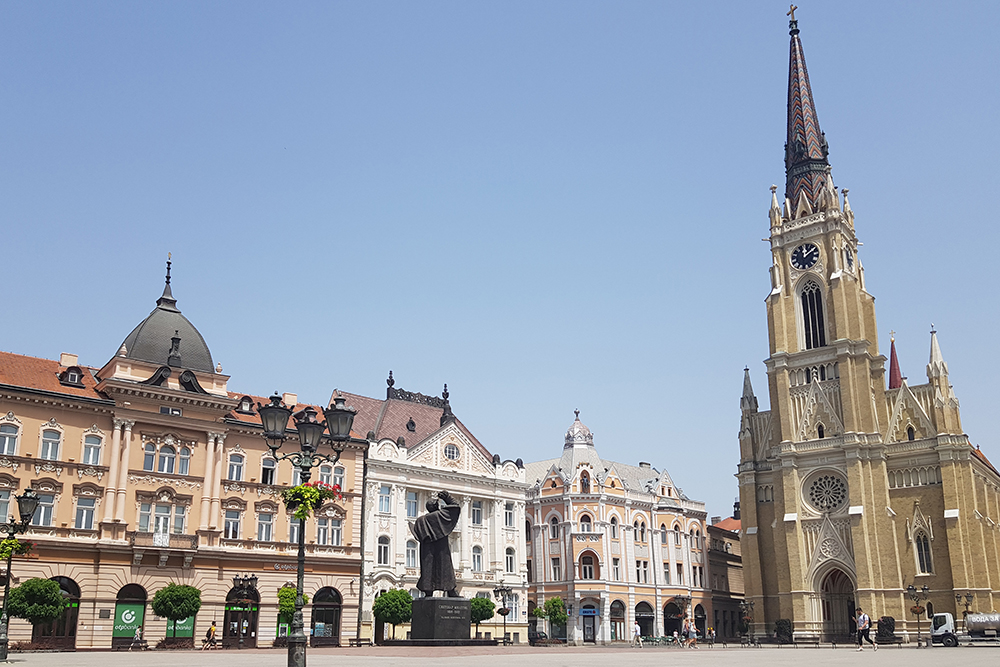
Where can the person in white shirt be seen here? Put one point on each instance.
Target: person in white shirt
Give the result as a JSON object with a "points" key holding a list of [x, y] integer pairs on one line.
{"points": [[637, 635], [864, 627]]}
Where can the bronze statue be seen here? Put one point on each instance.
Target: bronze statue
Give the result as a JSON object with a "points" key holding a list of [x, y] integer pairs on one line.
{"points": [[432, 529]]}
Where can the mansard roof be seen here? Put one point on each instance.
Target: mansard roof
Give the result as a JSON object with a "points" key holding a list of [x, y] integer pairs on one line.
{"points": [[34, 373]]}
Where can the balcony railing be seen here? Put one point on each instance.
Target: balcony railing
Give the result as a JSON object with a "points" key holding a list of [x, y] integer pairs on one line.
{"points": [[163, 540]]}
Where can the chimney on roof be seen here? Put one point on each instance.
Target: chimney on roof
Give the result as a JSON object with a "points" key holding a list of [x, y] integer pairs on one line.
{"points": [[290, 399], [644, 464], [174, 357], [66, 359], [715, 520]]}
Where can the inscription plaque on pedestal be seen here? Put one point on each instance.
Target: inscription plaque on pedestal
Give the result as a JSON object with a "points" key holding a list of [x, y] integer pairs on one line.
{"points": [[441, 618]]}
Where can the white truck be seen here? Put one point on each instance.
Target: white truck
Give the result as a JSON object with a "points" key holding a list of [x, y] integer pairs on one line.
{"points": [[976, 628]]}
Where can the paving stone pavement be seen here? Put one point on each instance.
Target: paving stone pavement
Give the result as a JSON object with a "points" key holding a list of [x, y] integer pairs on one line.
{"points": [[524, 656]]}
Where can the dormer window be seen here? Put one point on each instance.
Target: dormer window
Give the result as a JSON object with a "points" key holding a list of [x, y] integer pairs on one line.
{"points": [[245, 406], [173, 412], [72, 376]]}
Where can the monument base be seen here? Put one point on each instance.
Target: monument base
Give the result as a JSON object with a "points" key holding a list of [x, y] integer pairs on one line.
{"points": [[441, 619], [441, 642]]}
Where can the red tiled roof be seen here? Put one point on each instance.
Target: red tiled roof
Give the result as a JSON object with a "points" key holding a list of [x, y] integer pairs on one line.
{"points": [[254, 419], [43, 374], [982, 457], [729, 523]]}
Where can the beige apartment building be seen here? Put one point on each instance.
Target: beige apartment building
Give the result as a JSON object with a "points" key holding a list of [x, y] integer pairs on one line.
{"points": [[150, 470], [620, 544], [853, 486]]}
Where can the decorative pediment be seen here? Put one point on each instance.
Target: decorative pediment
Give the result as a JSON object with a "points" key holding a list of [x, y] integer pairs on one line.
{"points": [[919, 523], [818, 411], [234, 504], [907, 412], [450, 449], [830, 549], [10, 418]]}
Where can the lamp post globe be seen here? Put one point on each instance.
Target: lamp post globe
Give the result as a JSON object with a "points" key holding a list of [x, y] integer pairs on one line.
{"points": [[310, 430], [339, 419], [27, 503], [274, 418]]}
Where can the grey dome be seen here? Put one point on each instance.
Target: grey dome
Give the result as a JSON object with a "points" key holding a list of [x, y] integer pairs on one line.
{"points": [[151, 340]]}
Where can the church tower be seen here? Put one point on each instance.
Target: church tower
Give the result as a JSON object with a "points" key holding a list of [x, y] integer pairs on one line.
{"points": [[825, 530]]}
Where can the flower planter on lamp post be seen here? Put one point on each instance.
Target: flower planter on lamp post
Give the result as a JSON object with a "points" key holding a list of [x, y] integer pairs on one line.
{"points": [[502, 592], [274, 418], [917, 594]]}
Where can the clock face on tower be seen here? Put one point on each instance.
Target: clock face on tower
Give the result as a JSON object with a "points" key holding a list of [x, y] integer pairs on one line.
{"points": [[805, 256]]}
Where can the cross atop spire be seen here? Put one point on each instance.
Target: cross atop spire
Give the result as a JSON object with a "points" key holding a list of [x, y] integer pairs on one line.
{"points": [[807, 170]]}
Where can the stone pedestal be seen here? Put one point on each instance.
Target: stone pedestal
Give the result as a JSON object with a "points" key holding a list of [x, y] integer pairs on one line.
{"points": [[441, 618]]}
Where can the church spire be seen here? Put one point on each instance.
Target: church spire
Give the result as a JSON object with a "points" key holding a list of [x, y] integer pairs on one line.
{"points": [[895, 377], [807, 170], [748, 402], [936, 366]]}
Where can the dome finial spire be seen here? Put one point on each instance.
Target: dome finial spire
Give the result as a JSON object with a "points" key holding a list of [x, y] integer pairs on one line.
{"points": [[577, 413], [167, 299]]}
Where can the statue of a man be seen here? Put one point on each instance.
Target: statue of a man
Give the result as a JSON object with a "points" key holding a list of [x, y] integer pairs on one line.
{"points": [[432, 529]]}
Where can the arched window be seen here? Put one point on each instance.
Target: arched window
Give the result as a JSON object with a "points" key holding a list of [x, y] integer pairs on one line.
{"points": [[383, 550], [614, 528], [477, 559], [924, 553], [820, 431], [586, 567], [411, 553], [236, 467], [184, 461], [50, 445], [663, 533], [554, 527], [584, 482], [677, 536], [167, 459], [338, 476], [527, 531], [910, 433], [92, 450], [635, 531], [8, 440], [509, 560], [148, 456], [812, 315], [585, 525]]}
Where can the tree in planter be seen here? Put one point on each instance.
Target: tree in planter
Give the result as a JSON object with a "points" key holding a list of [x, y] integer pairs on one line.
{"points": [[176, 602], [482, 610], [36, 601], [555, 611], [394, 606]]}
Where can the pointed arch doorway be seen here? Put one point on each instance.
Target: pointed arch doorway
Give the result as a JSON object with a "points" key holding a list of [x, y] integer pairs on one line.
{"points": [[837, 604]]}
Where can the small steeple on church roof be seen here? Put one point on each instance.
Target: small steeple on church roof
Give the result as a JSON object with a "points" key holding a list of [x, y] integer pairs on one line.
{"points": [[895, 376]]}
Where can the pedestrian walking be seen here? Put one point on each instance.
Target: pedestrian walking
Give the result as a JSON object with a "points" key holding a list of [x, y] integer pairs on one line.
{"points": [[692, 635], [864, 627], [210, 641], [637, 635]]}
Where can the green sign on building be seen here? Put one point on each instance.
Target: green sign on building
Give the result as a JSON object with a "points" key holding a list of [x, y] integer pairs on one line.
{"points": [[128, 617], [185, 628]]}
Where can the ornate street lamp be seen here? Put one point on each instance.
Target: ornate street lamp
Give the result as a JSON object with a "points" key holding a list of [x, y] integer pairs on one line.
{"points": [[246, 588], [917, 595], [502, 593], [274, 418], [27, 503], [967, 601], [746, 613]]}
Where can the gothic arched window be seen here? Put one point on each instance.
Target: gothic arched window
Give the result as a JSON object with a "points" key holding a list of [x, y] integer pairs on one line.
{"points": [[910, 433], [812, 315], [820, 431], [924, 553]]}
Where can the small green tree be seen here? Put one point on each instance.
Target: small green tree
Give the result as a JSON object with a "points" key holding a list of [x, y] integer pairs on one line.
{"points": [[176, 602], [286, 603], [394, 606], [482, 610], [36, 601], [555, 611]]}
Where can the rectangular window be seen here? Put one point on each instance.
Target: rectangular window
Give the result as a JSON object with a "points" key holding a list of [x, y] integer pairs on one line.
{"points": [[267, 468], [293, 531], [336, 532], [477, 559], [179, 512], [144, 511], [383, 550], [645, 571], [235, 467], [556, 570], [411, 554], [325, 474], [232, 528], [4, 504], [666, 574], [338, 476], [85, 513], [265, 522], [616, 571], [385, 499], [45, 510], [50, 445], [92, 451], [680, 574], [411, 504], [530, 574], [638, 571], [477, 512], [8, 440], [509, 561], [296, 476], [166, 410], [508, 515], [322, 531]]}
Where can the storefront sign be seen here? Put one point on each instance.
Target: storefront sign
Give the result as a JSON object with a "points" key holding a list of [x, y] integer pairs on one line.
{"points": [[128, 618], [185, 628], [284, 567], [589, 612]]}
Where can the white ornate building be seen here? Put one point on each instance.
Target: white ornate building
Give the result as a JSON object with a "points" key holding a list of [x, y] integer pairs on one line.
{"points": [[417, 448]]}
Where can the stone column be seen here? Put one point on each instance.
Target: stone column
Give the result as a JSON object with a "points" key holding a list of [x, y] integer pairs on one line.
{"points": [[123, 471], [216, 508], [206, 486], [110, 492]]}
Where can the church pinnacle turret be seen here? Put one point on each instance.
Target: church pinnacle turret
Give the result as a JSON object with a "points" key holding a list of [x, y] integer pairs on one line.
{"points": [[895, 376], [808, 184]]}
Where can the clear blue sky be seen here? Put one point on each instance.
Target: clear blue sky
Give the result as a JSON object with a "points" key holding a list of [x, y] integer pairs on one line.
{"points": [[546, 205]]}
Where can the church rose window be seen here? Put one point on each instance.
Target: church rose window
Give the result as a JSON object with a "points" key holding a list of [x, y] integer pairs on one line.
{"points": [[828, 492]]}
